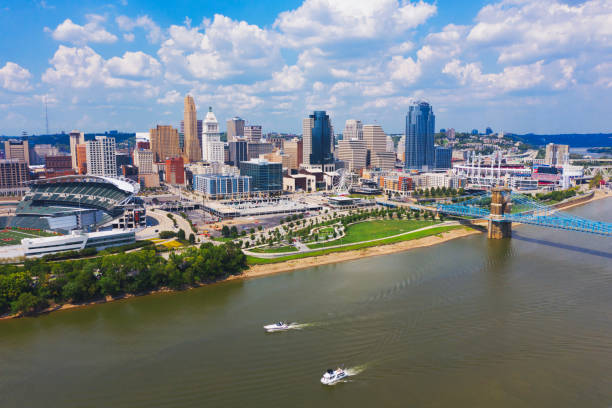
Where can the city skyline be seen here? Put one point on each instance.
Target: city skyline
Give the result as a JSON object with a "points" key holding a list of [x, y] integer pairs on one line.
{"points": [[127, 65]]}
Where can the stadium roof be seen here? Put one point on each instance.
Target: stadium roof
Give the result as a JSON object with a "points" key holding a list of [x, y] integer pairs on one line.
{"points": [[123, 184]]}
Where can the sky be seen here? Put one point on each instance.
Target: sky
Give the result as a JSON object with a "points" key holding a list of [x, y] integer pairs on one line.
{"points": [[520, 66]]}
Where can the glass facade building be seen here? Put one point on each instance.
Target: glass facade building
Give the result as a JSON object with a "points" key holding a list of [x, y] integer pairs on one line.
{"points": [[265, 176], [443, 157], [237, 152], [219, 186], [320, 139], [420, 124]]}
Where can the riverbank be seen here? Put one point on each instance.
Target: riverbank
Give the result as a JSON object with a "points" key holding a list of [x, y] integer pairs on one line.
{"points": [[256, 271]]}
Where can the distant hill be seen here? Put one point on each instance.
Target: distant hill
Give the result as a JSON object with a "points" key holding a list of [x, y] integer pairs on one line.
{"points": [[61, 139], [572, 139]]}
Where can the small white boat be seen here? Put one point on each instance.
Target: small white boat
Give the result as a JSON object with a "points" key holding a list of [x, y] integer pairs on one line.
{"points": [[330, 377], [280, 326]]}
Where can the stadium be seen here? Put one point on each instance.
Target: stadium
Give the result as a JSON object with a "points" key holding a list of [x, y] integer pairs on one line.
{"points": [[66, 203]]}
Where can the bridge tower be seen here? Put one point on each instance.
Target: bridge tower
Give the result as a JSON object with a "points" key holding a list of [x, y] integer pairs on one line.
{"points": [[500, 204]]}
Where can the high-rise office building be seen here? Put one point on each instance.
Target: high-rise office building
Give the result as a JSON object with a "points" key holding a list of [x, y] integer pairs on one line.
{"points": [[143, 159], [81, 156], [235, 129], [164, 142], [375, 140], [420, 125], [213, 149], [17, 150], [101, 157], [40, 151], [443, 157], [14, 174], [193, 151], [237, 152], [175, 171], [353, 152], [266, 177], [556, 154], [317, 134], [353, 129], [221, 186], [76, 138], [252, 133], [294, 148], [254, 149]]}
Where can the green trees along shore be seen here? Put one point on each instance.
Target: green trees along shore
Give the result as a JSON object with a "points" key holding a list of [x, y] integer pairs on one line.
{"points": [[37, 284]]}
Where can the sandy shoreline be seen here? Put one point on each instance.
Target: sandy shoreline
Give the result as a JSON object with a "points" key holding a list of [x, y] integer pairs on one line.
{"points": [[303, 263], [258, 271]]}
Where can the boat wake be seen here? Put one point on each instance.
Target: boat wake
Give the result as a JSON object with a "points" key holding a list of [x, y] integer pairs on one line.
{"points": [[353, 371]]}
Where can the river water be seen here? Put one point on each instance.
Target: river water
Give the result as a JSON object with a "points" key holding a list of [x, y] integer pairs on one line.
{"points": [[473, 322]]}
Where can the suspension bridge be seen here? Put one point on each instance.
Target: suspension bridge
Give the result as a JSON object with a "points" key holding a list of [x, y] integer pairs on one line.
{"points": [[501, 208]]}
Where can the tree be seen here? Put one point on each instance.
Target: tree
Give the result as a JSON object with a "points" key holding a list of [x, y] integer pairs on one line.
{"points": [[181, 235], [192, 239], [28, 303], [234, 231], [225, 231], [259, 228]]}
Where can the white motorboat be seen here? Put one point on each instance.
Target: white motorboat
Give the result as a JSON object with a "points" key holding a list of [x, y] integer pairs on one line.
{"points": [[330, 377], [280, 326]]}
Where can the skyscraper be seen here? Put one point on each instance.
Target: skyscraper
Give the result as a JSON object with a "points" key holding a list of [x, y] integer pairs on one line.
{"points": [[375, 140], [353, 152], [318, 139], [17, 149], [193, 151], [235, 129], [76, 138], [164, 142], [353, 129], [420, 124], [252, 133], [101, 157], [556, 154], [213, 150]]}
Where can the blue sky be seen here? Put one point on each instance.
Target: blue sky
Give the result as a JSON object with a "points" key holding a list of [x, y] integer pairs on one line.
{"points": [[516, 65]]}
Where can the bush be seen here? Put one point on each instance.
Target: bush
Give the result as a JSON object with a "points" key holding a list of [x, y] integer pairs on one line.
{"points": [[28, 303], [167, 234]]}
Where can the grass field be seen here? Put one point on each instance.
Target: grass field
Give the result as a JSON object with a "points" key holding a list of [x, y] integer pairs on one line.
{"points": [[286, 248], [14, 237], [251, 260], [367, 230]]}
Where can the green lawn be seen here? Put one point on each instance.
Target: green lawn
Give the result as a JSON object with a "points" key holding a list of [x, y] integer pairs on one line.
{"points": [[14, 237], [251, 260], [367, 230], [267, 250]]}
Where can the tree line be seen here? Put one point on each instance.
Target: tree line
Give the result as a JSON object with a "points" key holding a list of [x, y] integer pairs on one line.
{"points": [[37, 284]]}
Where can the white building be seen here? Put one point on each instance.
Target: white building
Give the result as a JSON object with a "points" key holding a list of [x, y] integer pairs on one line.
{"points": [[212, 146], [252, 133], [101, 157], [76, 241], [143, 159], [353, 152], [353, 129]]}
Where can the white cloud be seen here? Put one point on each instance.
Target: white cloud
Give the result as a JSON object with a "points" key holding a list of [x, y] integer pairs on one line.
{"points": [[134, 64], [289, 79], [318, 22], [404, 70], [82, 67], [154, 32], [91, 32], [15, 78], [526, 31], [129, 37], [510, 79], [226, 48], [171, 97]]}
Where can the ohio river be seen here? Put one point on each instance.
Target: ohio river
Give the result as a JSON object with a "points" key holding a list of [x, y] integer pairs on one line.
{"points": [[525, 322]]}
